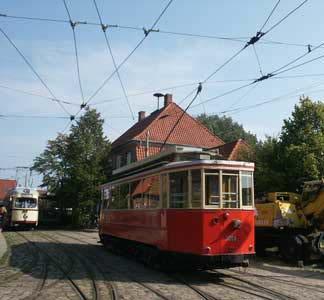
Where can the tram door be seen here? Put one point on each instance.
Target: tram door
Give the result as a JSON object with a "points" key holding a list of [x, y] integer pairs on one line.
{"points": [[212, 201]]}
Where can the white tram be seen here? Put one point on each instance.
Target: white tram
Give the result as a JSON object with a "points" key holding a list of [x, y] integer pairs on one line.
{"points": [[23, 207]]}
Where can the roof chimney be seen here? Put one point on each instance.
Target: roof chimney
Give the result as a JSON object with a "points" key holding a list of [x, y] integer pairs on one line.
{"points": [[167, 99], [141, 115]]}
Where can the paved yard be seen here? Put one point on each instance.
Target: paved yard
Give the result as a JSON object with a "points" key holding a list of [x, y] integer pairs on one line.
{"points": [[72, 265]]}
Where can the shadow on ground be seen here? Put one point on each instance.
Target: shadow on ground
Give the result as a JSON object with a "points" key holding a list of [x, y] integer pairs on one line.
{"points": [[84, 261]]}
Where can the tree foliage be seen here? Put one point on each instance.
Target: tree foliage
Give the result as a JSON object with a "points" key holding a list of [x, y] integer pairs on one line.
{"points": [[74, 165], [227, 129], [297, 155]]}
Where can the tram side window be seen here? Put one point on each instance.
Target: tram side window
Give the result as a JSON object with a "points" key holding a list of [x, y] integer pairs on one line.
{"points": [[247, 185], [164, 196], [105, 197], [136, 192], [151, 192], [212, 196], [195, 188], [178, 182], [113, 199], [123, 196], [230, 191]]}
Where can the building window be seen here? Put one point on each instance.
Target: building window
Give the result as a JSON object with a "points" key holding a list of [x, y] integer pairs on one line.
{"points": [[128, 157], [178, 189], [118, 161]]}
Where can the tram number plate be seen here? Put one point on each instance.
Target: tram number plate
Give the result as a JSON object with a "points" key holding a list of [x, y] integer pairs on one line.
{"points": [[231, 238]]}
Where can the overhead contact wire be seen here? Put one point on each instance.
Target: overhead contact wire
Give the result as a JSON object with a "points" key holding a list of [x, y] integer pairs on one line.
{"points": [[33, 70], [129, 55], [286, 16], [252, 41], [104, 28], [37, 95], [73, 25]]}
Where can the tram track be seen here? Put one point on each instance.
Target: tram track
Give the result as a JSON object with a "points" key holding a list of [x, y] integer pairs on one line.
{"points": [[53, 261], [87, 265], [146, 286], [281, 280], [205, 295], [256, 288]]}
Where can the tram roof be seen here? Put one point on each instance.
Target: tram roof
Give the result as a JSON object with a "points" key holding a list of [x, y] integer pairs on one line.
{"points": [[25, 191], [176, 158]]}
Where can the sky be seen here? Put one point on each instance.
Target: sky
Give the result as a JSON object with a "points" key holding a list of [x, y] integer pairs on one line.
{"points": [[162, 62]]}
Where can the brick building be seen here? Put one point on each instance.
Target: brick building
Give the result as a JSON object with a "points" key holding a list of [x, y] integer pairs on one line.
{"points": [[146, 137], [5, 186]]}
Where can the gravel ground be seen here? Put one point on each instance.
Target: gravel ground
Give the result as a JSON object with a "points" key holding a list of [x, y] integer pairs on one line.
{"points": [[72, 265]]}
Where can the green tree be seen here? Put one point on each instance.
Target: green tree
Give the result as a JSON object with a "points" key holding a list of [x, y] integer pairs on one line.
{"points": [[74, 165], [268, 166], [227, 129], [302, 143]]}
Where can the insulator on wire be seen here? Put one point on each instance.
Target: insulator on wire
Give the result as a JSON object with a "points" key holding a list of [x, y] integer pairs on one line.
{"points": [[72, 118]]}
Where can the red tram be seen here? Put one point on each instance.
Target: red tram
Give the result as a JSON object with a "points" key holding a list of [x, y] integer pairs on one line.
{"points": [[181, 208]]}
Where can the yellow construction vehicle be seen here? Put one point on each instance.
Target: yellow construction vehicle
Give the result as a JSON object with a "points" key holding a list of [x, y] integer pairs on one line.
{"points": [[292, 224]]}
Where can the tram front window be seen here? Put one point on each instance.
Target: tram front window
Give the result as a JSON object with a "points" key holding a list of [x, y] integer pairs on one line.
{"points": [[212, 190], [230, 191], [25, 203]]}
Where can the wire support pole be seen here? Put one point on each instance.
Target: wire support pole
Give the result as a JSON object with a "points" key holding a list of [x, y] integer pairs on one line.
{"points": [[104, 30], [73, 25], [33, 70]]}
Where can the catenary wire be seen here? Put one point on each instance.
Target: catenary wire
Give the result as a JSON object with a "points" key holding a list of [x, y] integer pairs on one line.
{"points": [[198, 91], [33, 70], [32, 117], [252, 41], [37, 95], [286, 16], [210, 82], [258, 60], [235, 39], [289, 95], [104, 28], [73, 25], [268, 18], [128, 56], [171, 88], [274, 73]]}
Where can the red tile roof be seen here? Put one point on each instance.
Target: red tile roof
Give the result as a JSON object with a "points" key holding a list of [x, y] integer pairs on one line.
{"points": [[231, 150], [141, 151], [157, 126], [5, 186]]}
